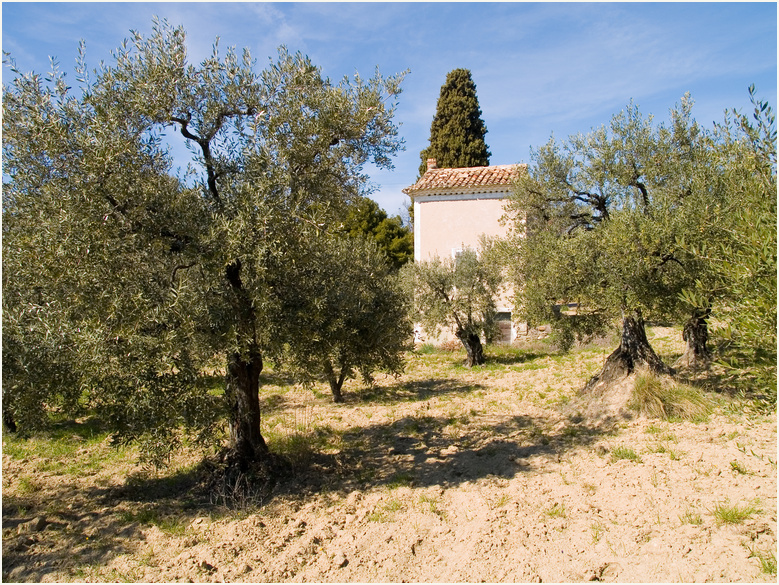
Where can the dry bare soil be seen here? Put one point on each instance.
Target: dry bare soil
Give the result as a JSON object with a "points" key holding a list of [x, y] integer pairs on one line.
{"points": [[441, 475]]}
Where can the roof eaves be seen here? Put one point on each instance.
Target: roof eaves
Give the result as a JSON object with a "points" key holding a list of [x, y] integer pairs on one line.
{"points": [[458, 190]]}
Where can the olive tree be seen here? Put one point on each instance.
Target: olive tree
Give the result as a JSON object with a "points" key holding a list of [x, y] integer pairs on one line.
{"points": [[458, 294], [129, 279], [596, 224], [344, 311], [735, 244]]}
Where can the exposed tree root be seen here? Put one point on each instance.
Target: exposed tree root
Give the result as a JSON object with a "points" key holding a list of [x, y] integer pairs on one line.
{"points": [[231, 481]]}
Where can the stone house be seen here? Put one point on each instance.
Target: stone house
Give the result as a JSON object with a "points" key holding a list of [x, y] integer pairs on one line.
{"points": [[453, 208]]}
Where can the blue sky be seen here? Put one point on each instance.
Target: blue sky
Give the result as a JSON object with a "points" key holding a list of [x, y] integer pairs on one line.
{"points": [[539, 68]]}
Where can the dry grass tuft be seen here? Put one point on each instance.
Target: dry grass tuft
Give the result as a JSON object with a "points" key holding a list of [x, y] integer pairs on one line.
{"points": [[666, 399]]}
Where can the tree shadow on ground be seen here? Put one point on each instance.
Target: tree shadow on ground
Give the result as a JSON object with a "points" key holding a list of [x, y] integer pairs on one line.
{"points": [[437, 450], [516, 357], [409, 391], [496, 355], [738, 387], [95, 524], [412, 391], [89, 532]]}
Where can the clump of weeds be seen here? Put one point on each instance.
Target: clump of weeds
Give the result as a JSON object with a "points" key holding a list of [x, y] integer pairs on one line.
{"points": [[767, 560], [726, 513], [623, 452]]}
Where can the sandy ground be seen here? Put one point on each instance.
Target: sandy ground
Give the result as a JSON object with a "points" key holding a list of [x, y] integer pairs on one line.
{"points": [[472, 477]]}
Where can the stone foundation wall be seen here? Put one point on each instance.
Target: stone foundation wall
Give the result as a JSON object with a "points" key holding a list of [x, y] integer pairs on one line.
{"points": [[525, 333], [520, 332]]}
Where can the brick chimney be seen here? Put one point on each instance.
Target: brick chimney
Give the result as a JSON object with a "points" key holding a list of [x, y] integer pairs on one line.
{"points": [[431, 164]]}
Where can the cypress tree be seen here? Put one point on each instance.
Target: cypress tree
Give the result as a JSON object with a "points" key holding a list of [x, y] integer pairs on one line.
{"points": [[457, 132]]}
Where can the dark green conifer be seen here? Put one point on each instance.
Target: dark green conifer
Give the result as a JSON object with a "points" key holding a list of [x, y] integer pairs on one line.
{"points": [[365, 218], [457, 132]]}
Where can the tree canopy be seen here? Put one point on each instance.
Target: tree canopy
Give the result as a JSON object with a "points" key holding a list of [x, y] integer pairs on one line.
{"points": [[735, 245], [122, 280], [457, 132], [344, 311], [598, 211], [365, 218], [606, 222], [599, 231]]}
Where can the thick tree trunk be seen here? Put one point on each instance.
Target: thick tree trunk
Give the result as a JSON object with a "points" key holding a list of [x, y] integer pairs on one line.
{"points": [[634, 351], [336, 382], [242, 387], [335, 388], [242, 391], [473, 348], [696, 334], [9, 422]]}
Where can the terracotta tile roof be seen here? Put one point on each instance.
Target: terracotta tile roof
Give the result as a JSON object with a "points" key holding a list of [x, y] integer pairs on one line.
{"points": [[468, 179]]}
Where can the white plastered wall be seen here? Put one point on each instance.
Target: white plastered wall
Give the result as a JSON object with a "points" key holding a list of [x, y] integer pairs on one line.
{"points": [[444, 223], [454, 222]]}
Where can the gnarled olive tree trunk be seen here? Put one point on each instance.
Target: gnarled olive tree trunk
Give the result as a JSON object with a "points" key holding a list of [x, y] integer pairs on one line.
{"points": [[473, 348], [242, 390], [8, 421], [634, 351], [696, 334], [242, 382]]}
